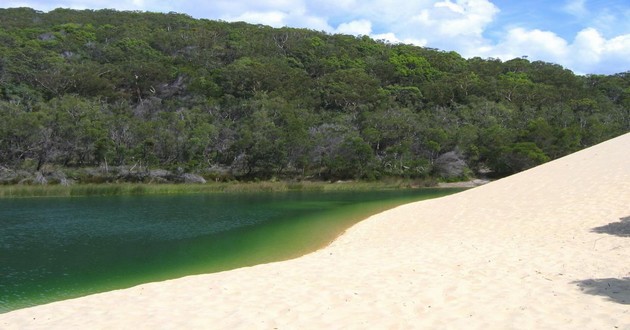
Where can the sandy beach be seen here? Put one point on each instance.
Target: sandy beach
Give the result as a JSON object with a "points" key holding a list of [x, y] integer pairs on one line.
{"points": [[548, 248]]}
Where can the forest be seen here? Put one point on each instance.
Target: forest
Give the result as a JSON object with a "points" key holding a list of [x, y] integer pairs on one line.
{"points": [[83, 91]]}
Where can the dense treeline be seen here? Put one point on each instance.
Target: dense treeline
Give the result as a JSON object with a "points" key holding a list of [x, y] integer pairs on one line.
{"points": [[108, 88]]}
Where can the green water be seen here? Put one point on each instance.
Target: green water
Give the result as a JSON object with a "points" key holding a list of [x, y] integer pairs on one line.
{"points": [[58, 248]]}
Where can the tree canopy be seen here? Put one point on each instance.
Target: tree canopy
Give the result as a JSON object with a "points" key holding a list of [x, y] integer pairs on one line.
{"points": [[93, 87]]}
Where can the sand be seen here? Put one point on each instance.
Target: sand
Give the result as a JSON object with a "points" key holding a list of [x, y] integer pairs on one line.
{"points": [[548, 248]]}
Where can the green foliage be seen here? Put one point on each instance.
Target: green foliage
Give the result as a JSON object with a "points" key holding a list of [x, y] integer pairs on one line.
{"points": [[519, 157], [106, 88], [349, 90], [410, 66]]}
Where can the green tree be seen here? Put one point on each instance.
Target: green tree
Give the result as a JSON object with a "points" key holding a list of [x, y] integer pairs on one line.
{"points": [[349, 90], [519, 157]]}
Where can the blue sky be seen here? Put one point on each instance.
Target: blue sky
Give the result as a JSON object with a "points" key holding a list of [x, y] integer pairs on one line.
{"points": [[586, 36]]}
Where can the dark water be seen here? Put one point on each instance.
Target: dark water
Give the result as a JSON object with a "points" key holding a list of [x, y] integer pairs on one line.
{"points": [[59, 248]]}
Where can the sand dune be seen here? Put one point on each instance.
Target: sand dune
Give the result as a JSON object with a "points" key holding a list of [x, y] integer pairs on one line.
{"points": [[546, 248]]}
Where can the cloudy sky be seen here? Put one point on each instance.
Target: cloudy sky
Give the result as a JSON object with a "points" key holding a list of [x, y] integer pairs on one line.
{"points": [[586, 36]]}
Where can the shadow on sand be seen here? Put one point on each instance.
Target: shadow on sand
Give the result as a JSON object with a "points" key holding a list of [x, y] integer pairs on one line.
{"points": [[617, 290], [620, 228]]}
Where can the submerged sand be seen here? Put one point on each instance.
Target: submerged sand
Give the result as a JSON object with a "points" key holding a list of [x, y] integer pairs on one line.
{"points": [[546, 248]]}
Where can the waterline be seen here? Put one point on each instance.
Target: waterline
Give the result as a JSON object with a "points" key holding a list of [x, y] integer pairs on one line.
{"points": [[60, 248]]}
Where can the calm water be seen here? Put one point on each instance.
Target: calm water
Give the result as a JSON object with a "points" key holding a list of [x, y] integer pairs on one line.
{"points": [[58, 248]]}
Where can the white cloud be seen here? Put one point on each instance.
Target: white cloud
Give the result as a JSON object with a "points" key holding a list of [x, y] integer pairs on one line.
{"points": [[271, 18], [588, 46], [236, 7], [619, 46], [533, 43], [452, 25], [359, 27], [593, 53], [576, 7], [589, 52], [451, 6], [391, 38], [309, 22], [610, 22], [329, 7], [269, 12], [464, 18]]}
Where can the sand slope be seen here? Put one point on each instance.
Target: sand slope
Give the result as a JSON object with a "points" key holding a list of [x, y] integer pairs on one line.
{"points": [[546, 248]]}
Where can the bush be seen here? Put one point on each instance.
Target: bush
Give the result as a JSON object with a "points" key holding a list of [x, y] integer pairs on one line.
{"points": [[519, 157]]}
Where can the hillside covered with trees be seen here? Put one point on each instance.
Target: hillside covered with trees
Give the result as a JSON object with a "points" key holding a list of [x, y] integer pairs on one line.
{"points": [[146, 91]]}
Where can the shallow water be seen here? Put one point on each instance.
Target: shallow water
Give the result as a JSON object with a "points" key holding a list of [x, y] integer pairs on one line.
{"points": [[58, 248]]}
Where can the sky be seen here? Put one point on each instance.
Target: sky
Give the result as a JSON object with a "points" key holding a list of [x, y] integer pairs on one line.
{"points": [[585, 36]]}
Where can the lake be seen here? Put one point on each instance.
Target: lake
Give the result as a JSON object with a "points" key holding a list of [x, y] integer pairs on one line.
{"points": [[59, 248]]}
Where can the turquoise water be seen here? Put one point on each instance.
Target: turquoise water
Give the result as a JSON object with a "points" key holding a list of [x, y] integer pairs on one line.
{"points": [[58, 248]]}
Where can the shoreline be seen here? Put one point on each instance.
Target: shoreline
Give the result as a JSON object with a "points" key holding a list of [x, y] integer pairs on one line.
{"points": [[123, 189], [537, 249], [464, 184]]}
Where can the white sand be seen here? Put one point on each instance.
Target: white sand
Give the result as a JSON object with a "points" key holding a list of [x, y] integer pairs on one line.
{"points": [[516, 253]]}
